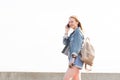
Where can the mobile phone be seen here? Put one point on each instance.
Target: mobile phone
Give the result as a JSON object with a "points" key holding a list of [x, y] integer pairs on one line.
{"points": [[68, 26]]}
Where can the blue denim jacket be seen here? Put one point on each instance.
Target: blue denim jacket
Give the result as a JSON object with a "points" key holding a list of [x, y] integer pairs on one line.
{"points": [[74, 42]]}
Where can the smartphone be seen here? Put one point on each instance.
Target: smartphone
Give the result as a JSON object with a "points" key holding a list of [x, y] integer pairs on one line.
{"points": [[68, 26]]}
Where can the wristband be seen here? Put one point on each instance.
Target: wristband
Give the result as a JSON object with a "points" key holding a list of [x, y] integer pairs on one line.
{"points": [[73, 56], [66, 33]]}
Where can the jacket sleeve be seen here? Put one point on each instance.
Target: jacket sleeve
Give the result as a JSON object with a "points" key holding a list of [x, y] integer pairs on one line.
{"points": [[76, 43], [65, 39]]}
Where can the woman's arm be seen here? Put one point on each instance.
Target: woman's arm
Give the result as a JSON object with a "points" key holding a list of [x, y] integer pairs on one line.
{"points": [[65, 37]]}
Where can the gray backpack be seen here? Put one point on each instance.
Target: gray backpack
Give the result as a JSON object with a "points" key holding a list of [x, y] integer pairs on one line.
{"points": [[87, 52]]}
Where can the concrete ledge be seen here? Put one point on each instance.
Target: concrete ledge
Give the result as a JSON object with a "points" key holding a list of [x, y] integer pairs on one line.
{"points": [[55, 76], [101, 76]]}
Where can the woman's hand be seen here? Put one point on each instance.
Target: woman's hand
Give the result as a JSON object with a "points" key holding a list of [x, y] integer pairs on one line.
{"points": [[66, 29], [71, 63]]}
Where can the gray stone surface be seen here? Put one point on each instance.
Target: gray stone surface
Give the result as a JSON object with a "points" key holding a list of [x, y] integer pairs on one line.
{"points": [[101, 76], [55, 76]]}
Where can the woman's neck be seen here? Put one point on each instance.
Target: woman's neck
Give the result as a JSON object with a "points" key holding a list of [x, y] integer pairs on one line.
{"points": [[75, 28]]}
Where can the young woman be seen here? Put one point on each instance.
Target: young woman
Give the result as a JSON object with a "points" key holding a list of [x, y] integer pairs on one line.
{"points": [[74, 42]]}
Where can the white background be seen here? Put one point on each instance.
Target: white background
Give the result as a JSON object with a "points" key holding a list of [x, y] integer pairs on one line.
{"points": [[31, 33]]}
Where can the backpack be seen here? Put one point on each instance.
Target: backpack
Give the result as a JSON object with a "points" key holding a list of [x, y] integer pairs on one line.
{"points": [[87, 53]]}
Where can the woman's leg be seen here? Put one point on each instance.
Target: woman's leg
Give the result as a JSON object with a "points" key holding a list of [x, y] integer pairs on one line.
{"points": [[69, 74], [76, 75], [72, 73]]}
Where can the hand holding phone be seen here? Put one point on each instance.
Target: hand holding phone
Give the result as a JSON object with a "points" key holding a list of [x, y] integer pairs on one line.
{"points": [[67, 28]]}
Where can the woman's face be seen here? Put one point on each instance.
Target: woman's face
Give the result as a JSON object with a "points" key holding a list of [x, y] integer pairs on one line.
{"points": [[73, 23]]}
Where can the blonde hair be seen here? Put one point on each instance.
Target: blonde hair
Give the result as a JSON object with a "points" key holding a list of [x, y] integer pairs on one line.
{"points": [[76, 19]]}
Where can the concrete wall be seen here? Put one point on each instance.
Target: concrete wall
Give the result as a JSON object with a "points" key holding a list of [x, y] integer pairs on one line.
{"points": [[55, 76]]}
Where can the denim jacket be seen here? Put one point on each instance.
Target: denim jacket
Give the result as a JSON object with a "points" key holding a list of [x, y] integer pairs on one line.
{"points": [[74, 41], [74, 45]]}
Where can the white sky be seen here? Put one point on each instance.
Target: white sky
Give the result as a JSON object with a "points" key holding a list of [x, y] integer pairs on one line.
{"points": [[31, 33]]}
